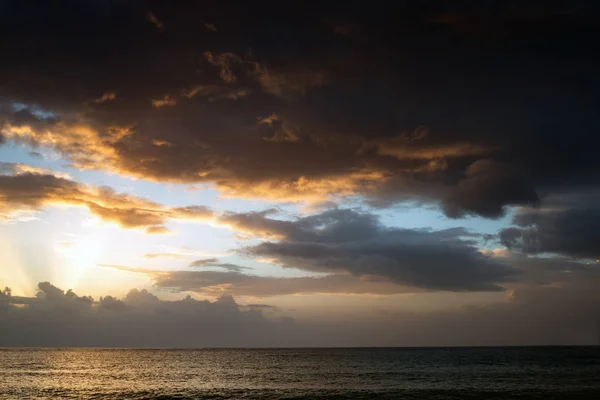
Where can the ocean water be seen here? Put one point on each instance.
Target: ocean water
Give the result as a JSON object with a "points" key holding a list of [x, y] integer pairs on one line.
{"points": [[399, 373]]}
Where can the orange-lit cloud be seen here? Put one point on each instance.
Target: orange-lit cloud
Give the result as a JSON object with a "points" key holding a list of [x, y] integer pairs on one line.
{"points": [[165, 101], [285, 84], [108, 96], [151, 256], [150, 16], [26, 191], [215, 92]]}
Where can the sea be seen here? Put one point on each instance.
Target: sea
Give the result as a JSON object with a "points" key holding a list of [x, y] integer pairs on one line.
{"points": [[369, 373]]}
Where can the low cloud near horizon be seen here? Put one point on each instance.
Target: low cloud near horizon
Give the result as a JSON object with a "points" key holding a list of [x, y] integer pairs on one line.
{"points": [[54, 318]]}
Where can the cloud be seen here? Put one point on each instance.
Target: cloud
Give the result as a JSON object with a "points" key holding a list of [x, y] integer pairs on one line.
{"points": [[33, 190], [532, 316], [233, 282], [214, 263], [154, 20], [350, 115], [282, 131], [107, 96], [165, 101], [215, 92], [8, 168], [567, 226], [140, 319], [286, 84], [260, 306], [182, 252], [161, 143], [210, 27], [487, 189], [225, 62], [344, 240], [203, 262], [544, 315], [157, 230], [151, 256]]}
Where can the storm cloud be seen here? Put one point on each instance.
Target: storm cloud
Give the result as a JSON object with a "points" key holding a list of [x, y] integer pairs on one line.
{"points": [[344, 240], [568, 226], [425, 103]]}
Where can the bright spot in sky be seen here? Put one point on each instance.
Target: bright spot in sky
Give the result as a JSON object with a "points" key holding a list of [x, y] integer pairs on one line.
{"points": [[80, 254]]}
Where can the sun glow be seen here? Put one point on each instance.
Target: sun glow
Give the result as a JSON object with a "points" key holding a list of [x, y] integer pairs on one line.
{"points": [[81, 254], [13, 273]]}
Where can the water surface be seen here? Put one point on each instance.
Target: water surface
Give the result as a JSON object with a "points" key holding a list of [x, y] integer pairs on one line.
{"points": [[435, 373]]}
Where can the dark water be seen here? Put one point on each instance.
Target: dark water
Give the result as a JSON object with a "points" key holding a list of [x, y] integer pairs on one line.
{"points": [[452, 373]]}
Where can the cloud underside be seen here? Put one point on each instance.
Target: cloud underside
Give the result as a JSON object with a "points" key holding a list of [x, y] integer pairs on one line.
{"points": [[342, 240], [274, 161], [568, 226], [31, 190], [538, 315], [316, 114]]}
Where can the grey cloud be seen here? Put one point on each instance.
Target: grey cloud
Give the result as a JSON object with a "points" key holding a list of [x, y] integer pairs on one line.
{"points": [[216, 283], [349, 241], [568, 228], [487, 189], [261, 306], [203, 262], [214, 263], [140, 319], [531, 316], [564, 314]]}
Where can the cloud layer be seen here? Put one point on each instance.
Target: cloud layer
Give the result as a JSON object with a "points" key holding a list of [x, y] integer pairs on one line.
{"points": [[542, 315], [343, 240], [429, 107], [30, 189], [140, 319]]}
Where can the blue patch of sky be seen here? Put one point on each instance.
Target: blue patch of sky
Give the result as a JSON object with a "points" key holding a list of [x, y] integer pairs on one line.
{"points": [[33, 109], [414, 216]]}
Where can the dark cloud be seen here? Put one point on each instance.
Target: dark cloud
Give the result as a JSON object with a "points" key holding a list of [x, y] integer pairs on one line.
{"points": [[487, 188], [343, 240], [564, 314], [352, 88], [140, 319], [569, 228], [35, 154]]}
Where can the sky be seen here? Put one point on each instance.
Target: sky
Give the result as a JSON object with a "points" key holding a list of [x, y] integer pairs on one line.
{"points": [[234, 173]]}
